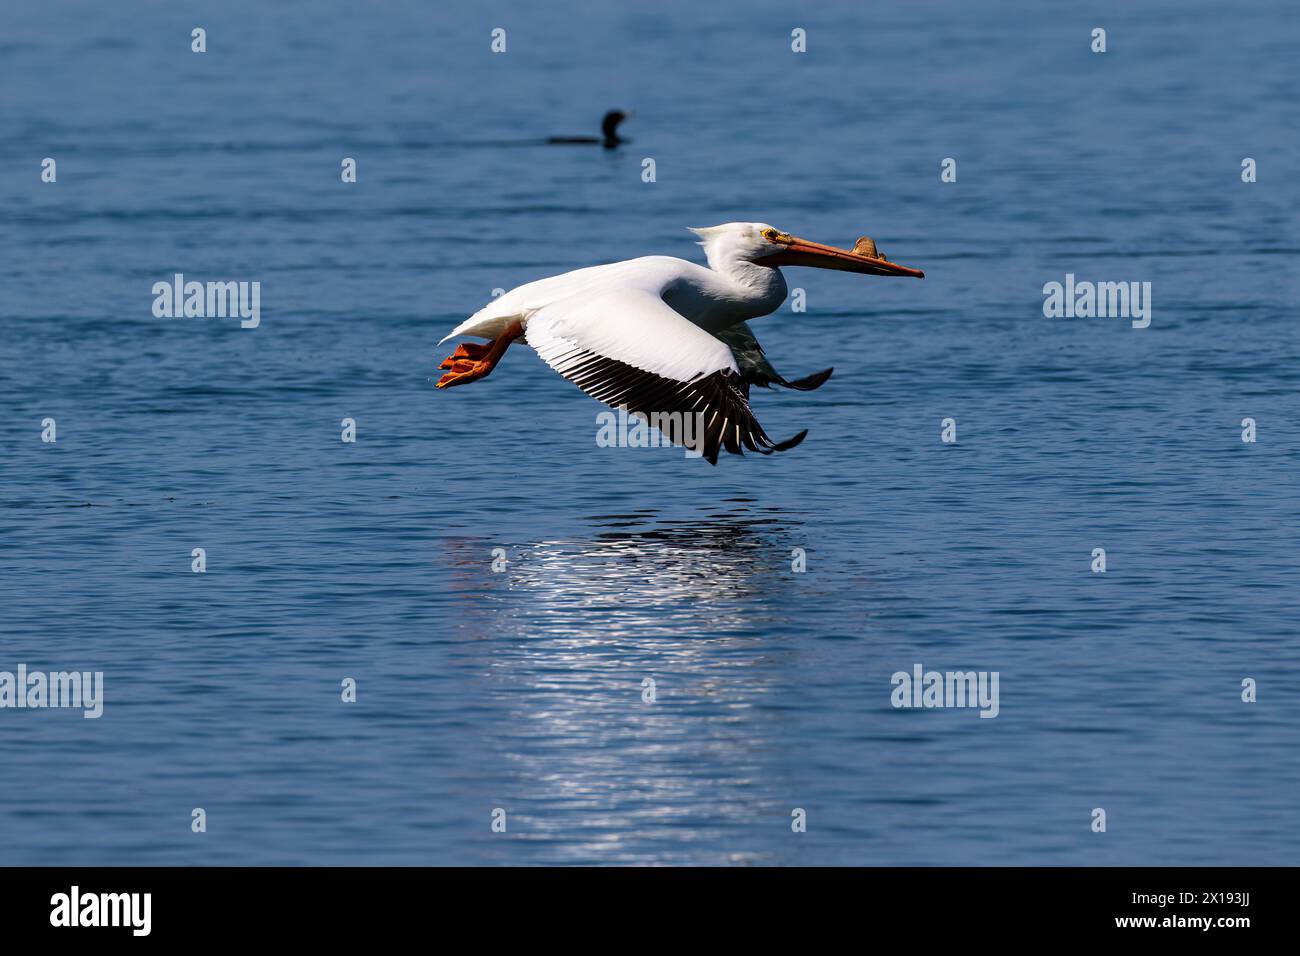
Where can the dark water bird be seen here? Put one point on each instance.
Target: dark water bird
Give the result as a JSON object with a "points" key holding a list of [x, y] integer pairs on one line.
{"points": [[664, 338], [609, 133]]}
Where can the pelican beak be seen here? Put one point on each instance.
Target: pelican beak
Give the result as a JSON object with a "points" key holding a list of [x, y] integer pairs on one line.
{"points": [[862, 258]]}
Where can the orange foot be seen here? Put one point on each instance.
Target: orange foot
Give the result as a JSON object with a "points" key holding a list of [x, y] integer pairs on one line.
{"points": [[471, 362], [468, 363]]}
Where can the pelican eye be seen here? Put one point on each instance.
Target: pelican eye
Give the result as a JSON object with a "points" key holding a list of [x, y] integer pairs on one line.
{"points": [[772, 235]]}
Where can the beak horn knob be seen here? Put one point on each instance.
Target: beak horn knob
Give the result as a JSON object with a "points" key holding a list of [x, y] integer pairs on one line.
{"points": [[866, 246]]}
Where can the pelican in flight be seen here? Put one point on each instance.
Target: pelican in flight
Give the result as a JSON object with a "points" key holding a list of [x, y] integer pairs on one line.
{"points": [[665, 338]]}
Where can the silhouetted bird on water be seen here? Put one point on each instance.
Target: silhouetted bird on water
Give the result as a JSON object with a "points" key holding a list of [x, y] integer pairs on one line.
{"points": [[608, 126]]}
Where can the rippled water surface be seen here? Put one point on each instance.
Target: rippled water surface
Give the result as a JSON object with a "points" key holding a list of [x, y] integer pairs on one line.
{"points": [[522, 690]]}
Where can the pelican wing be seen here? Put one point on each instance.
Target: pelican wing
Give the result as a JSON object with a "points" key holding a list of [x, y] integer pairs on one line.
{"points": [[754, 367], [628, 348]]}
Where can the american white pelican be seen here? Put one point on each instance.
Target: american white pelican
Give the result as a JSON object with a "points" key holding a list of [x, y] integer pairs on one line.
{"points": [[663, 337], [608, 129]]}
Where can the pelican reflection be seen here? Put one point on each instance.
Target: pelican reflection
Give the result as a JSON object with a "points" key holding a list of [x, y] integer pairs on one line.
{"points": [[636, 667]]}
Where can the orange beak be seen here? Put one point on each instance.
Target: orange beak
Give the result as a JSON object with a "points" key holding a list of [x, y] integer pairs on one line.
{"points": [[804, 252]]}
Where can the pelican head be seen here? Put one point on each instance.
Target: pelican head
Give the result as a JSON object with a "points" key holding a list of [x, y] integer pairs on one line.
{"points": [[766, 245]]}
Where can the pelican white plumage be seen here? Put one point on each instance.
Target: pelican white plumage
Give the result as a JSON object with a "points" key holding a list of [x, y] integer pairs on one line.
{"points": [[663, 337]]}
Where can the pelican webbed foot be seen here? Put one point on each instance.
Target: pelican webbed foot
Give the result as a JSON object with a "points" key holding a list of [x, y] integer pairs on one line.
{"points": [[472, 361]]}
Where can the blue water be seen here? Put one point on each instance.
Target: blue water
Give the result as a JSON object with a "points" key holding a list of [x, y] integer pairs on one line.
{"points": [[521, 690]]}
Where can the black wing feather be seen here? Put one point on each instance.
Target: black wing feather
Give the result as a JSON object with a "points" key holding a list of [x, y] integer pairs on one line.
{"points": [[718, 398], [754, 367]]}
